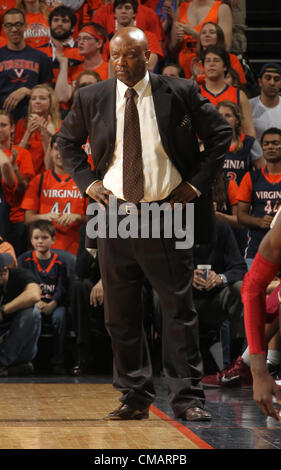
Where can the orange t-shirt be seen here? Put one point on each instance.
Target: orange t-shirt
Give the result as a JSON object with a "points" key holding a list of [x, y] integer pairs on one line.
{"points": [[3, 41], [37, 30], [14, 198], [35, 145], [50, 192], [189, 43], [102, 70]]}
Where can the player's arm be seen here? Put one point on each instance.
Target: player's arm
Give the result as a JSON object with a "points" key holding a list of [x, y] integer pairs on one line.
{"points": [[264, 268]]}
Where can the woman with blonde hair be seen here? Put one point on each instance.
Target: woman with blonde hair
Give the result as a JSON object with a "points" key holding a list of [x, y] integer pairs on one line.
{"points": [[34, 132], [37, 30]]}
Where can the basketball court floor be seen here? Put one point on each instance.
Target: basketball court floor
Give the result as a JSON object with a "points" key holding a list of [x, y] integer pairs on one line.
{"points": [[46, 412]]}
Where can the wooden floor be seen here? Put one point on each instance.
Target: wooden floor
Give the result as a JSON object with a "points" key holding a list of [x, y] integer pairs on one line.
{"points": [[73, 416], [48, 413]]}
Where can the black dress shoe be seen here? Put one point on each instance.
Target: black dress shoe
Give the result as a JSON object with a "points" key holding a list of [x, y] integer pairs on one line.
{"points": [[196, 414], [125, 412]]}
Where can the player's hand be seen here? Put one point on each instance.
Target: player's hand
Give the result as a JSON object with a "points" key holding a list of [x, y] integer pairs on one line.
{"points": [[99, 193], [96, 295], [264, 387]]}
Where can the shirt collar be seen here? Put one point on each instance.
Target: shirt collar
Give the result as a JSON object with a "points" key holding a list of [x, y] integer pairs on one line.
{"points": [[139, 87]]}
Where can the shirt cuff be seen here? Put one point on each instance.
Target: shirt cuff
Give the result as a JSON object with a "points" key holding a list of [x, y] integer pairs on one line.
{"points": [[224, 280], [89, 187], [195, 189]]}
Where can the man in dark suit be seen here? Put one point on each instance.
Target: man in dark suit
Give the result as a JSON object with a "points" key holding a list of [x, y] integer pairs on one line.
{"points": [[171, 115]]}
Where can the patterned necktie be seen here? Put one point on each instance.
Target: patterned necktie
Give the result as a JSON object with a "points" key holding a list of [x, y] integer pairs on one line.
{"points": [[132, 151]]}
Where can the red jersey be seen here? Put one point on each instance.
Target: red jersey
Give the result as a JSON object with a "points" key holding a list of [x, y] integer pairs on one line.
{"points": [[230, 93], [50, 192], [13, 197]]}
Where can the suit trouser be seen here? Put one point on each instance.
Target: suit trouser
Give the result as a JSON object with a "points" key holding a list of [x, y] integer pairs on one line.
{"points": [[124, 263]]}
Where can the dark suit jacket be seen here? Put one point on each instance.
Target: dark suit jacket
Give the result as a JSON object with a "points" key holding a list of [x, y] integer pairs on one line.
{"points": [[182, 116]]}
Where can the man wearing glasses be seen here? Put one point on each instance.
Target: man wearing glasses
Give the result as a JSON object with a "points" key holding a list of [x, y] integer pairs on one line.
{"points": [[21, 66]]}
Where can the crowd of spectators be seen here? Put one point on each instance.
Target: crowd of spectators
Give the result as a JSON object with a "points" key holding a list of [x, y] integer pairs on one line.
{"points": [[49, 49]]}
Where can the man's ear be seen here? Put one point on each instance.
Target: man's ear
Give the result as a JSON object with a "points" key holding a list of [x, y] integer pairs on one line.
{"points": [[147, 55]]}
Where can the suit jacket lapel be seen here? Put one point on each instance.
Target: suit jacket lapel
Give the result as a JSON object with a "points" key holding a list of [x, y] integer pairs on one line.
{"points": [[106, 105], [162, 102]]}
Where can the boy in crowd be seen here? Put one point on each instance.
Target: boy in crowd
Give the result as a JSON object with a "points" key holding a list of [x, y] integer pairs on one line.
{"points": [[50, 273]]}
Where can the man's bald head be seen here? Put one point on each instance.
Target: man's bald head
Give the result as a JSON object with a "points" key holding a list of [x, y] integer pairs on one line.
{"points": [[129, 55]]}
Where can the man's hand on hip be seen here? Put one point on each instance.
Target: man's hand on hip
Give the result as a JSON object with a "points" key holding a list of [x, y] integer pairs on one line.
{"points": [[99, 193], [184, 193]]}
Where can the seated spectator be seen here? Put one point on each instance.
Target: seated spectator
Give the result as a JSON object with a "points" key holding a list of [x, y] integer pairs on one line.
{"points": [[5, 5], [216, 64], [54, 196], [34, 132], [125, 12], [259, 194], [86, 305], [188, 21], [173, 70], [20, 325], [6, 247], [146, 19], [245, 152], [90, 42], [50, 273], [225, 193], [16, 171], [165, 10], [210, 34], [217, 297], [266, 108], [87, 77], [19, 65], [37, 30]]}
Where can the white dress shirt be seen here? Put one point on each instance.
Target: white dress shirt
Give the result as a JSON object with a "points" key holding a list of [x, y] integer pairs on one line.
{"points": [[160, 175]]}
